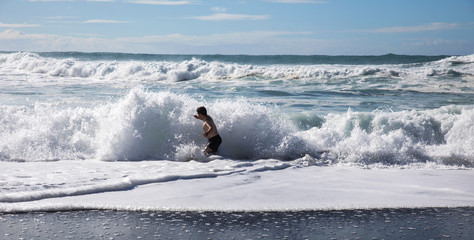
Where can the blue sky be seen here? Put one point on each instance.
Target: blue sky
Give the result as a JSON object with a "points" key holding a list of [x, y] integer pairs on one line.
{"points": [[329, 27]]}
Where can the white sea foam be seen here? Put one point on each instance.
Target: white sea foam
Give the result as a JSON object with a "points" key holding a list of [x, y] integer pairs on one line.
{"points": [[71, 178], [159, 125], [225, 185]]}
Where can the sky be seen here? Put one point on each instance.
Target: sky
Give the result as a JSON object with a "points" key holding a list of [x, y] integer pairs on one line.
{"points": [[255, 27]]}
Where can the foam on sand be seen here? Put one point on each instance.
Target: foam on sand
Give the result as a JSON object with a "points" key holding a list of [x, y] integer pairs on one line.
{"points": [[227, 185]]}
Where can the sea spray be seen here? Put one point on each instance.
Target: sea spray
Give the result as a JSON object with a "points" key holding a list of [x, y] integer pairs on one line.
{"points": [[141, 125], [148, 125]]}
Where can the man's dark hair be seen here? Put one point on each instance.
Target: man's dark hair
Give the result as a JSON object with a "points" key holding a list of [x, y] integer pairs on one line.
{"points": [[202, 111]]}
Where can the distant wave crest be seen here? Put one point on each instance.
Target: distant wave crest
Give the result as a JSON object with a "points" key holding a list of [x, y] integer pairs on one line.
{"points": [[134, 70]]}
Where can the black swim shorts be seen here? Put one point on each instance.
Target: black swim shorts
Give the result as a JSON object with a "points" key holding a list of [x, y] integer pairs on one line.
{"points": [[214, 143]]}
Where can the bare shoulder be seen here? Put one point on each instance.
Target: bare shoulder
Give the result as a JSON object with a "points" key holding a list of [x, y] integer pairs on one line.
{"points": [[209, 119]]}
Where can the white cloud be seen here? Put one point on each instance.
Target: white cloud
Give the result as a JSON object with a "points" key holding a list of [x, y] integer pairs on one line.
{"points": [[223, 39], [162, 2], [420, 28], [103, 21], [50, 0], [87, 34], [61, 17], [219, 9], [212, 39], [20, 41], [297, 1], [233, 17], [254, 42], [234, 42], [17, 25], [12, 34]]}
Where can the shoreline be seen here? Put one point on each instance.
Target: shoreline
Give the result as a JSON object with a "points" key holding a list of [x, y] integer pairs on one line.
{"points": [[391, 223]]}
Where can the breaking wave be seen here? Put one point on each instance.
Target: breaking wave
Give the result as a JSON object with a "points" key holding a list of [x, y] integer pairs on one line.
{"points": [[159, 125], [212, 68]]}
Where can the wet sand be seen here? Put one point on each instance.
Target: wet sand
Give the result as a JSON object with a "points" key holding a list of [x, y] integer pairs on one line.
{"points": [[417, 223]]}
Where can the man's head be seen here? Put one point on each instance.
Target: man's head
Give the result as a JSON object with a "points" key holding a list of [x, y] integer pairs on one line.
{"points": [[202, 111]]}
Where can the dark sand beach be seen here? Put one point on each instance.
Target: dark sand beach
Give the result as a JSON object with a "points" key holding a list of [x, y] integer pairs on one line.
{"points": [[412, 223]]}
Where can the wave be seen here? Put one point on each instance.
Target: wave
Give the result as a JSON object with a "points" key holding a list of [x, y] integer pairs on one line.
{"points": [[145, 125], [135, 70]]}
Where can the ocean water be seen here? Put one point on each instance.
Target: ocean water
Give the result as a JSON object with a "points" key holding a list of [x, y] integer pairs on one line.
{"points": [[74, 124]]}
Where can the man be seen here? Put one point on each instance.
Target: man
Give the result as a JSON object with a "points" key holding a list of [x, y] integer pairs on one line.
{"points": [[210, 131]]}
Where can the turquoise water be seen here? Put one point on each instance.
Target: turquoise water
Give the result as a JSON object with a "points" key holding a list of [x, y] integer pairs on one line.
{"points": [[390, 109]]}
